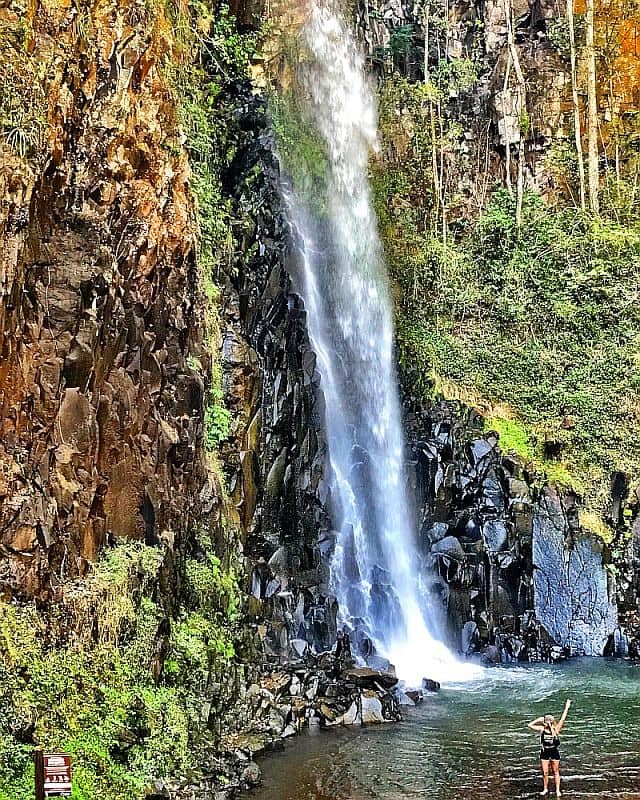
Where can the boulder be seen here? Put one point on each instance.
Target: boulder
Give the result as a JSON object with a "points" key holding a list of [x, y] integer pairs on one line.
{"points": [[449, 546], [437, 532], [491, 654], [251, 774], [299, 647], [494, 533], [367, 678], [371, 706], [470, 637]]}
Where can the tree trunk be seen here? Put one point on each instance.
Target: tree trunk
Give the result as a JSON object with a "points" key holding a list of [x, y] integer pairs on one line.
{"points": [[594, 174], [577, 125], [522, 105], [507, 141], [434, 162], [426, 14]]}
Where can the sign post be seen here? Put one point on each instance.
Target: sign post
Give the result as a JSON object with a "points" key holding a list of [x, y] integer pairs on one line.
{"points": [[53, 774]]}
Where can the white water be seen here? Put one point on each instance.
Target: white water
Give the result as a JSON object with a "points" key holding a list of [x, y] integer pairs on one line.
{"points": [[374, 571]]}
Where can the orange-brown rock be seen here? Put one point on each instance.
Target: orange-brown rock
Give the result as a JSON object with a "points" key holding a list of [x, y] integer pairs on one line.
{"points": [[101, 415]]}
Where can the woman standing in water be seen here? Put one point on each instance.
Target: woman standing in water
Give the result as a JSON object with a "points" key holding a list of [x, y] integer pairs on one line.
{"points": [[549, 729]]}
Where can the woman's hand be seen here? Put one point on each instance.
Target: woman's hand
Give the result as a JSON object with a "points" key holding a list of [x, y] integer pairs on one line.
{"points": [[568, 704]]}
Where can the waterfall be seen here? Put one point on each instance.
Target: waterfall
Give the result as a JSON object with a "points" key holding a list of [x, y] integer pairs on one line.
{"points": [[375, 566]]}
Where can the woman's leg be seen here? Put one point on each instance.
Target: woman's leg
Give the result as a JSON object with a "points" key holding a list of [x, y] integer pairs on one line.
{"points": [[555, 766], [544, 766]]}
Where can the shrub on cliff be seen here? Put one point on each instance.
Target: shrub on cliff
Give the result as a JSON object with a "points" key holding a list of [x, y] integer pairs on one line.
{"points": [[546, 323], [111, 678]]}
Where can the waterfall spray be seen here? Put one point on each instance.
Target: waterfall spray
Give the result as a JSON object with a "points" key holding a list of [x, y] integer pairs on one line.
{"points": [[374, 569]]}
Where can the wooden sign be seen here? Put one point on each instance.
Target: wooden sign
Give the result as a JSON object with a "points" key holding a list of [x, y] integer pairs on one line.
{"points": [[53, 775]]}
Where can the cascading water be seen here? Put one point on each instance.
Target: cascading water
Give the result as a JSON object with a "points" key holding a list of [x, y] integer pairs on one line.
{"points": [[374, 570]]}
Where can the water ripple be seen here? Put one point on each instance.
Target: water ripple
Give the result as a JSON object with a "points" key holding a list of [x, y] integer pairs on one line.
{"points": [[464, 744]]}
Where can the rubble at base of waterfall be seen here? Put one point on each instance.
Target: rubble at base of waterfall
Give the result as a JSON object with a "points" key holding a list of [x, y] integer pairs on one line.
{"points": [[514, 640], [321, 690]]}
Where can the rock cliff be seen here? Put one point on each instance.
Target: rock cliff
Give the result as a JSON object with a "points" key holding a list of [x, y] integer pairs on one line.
{"points": [[518, 577], [274, 459], [105, 378], [101, 313]]}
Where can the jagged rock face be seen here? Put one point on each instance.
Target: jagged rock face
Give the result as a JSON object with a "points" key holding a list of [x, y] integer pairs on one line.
{"points": [[491, 114], [274, 460], [515, 573], [572, 596], [101, 414], [475, 523]]}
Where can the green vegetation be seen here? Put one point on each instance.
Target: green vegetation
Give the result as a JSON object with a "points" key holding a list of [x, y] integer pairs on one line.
{"points": [[544, 321], [300, 148], [534, 324], [23, 103], [133, 671], [213, 56], [111, 677], [513, 435]]}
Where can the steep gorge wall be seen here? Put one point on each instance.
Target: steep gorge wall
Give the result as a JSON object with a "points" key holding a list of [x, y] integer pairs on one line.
{"points": [[519, 578], [274, 461], [510, 553], [104, 379], [101, 436]]}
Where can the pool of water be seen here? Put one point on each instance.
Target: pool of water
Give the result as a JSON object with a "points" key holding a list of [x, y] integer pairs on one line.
{"points": [[472, 741]]}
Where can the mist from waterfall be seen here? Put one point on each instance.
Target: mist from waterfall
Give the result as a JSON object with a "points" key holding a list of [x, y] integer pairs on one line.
{"points": [[375, 566]]}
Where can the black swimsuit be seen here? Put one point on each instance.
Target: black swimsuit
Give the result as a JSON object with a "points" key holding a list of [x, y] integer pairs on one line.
{"points": [[549, 747]]}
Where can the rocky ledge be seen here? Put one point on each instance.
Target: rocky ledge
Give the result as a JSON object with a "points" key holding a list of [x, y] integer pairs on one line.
{"points": [[317, 691]]}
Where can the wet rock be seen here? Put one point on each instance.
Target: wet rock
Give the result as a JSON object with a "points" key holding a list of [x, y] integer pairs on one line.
{"points": [[158, 791], [365, 677], [380, 664], [277, 683], [572, 597], [430, 685], [449, 546], [481, 449], [491, 654], [312, 686], [470, 637], [371, 709], [352, 715], [251, 774], [299, 647], [494, 533], [437, 532], [404, 698], [276, 475]]}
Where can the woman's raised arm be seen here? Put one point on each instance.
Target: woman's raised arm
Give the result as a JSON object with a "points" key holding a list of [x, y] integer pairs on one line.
{"points": [[537, 724], [563, 718]]}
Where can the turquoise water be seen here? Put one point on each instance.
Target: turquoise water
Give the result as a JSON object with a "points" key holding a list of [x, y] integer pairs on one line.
{"points": [[472, 741]]}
